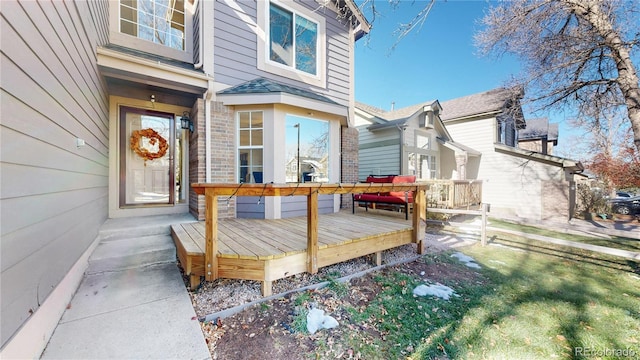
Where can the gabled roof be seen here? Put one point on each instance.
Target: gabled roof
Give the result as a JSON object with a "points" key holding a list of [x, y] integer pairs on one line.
{"points": [[539, 128], [393, 115], [268, 86], [488, 103], [398, 118]]}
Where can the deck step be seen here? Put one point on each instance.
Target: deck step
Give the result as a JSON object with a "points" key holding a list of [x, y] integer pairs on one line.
{"points": [[128, 253]]}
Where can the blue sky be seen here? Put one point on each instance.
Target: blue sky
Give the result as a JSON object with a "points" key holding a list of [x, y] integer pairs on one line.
{"points": [[435, 62]]}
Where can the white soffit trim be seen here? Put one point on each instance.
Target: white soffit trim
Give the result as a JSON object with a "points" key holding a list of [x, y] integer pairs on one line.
{"points": [[122, 63], [282, 98], [459, 149]]}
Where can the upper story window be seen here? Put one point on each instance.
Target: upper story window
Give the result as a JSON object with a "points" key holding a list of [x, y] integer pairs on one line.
{"points": [[159, 21], [293, 40], [423, 141], [507, 132], [158, 27]]}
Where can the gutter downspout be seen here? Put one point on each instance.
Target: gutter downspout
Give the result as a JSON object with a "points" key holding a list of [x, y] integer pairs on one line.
{"points": [[208, 96]]}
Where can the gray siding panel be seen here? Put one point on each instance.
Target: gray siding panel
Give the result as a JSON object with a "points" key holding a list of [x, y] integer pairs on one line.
{"points": [[293, 206], [379, 152], [379, 161], [27, 283], [247, 207], [53, 195], [236, 62]]}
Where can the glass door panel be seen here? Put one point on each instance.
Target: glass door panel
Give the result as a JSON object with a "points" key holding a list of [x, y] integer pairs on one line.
{"points": [[147, 143]]}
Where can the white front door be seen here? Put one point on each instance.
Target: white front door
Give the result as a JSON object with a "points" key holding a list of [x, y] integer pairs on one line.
{"points": [[147, 171]]}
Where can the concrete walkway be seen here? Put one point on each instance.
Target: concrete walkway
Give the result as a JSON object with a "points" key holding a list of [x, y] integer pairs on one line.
{"points": [[132, 302], [629, 229]]}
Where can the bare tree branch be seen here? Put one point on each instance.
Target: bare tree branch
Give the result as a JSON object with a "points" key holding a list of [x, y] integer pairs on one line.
{"points": [[576, 53]]}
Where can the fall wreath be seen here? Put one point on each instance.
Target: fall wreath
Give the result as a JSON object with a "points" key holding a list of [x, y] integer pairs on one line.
{"points": [[154, 138]]}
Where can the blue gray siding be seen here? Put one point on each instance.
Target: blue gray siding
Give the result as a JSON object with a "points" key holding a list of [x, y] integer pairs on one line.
{"points": [[54, 194], [235, 50], [297, 205], [378, 153]]}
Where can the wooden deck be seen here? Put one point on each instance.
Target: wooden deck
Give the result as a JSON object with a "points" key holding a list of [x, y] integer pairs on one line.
{"points": [[267, 250]]}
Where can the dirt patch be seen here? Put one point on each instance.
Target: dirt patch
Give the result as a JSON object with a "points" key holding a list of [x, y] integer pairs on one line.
{"points": [[274, 329]]}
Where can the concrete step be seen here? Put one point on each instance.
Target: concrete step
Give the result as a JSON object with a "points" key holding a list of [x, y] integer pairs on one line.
{"points": [[139, 226], [127, 253]]}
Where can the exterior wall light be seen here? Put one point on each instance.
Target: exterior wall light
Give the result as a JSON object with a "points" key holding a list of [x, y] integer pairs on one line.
{"points": [[185, 121]]}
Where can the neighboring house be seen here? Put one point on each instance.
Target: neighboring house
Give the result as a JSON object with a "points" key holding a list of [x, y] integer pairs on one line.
{"points": [[409, 141], [516, 182], [97, 101], [538, 136]]}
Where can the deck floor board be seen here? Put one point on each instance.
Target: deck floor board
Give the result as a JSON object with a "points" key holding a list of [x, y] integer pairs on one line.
{"points": [[258, 249]]}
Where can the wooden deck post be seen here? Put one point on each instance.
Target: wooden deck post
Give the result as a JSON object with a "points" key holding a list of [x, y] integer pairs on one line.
{"points": [[312, 231], [211, 241], [418, 209]]}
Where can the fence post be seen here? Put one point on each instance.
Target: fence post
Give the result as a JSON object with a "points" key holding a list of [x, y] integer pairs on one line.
{"points": [[483, 226]]}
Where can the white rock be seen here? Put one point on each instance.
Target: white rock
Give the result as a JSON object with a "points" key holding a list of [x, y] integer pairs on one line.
{"points": [[316, 320], [438, 290], [467, 260], [329, 322], [462, 257]]}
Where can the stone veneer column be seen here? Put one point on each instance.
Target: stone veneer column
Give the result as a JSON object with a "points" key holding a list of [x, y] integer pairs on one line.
{"points": [[222, 156], [349, 158]]}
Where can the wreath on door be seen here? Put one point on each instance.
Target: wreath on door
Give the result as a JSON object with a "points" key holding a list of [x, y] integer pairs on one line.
{"points": [[154, 137]]}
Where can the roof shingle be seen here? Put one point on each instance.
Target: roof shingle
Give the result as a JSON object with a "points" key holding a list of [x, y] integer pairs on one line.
{"points": [[268, 86]]}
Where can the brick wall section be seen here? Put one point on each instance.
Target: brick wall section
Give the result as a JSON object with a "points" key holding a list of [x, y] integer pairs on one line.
{"points": [[196, 159], [556, 200], [222, 156], [349, 166]]}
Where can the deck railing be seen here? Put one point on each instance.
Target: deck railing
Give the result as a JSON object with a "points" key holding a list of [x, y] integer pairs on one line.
{"points": [[311, 191], [453, 194]]}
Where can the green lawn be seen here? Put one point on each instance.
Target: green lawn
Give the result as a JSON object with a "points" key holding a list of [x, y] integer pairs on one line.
{"points": [[545, 306], [525, 304]]}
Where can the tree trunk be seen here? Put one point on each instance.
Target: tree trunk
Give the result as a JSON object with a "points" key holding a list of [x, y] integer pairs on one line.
{"points": [[627, 75]]}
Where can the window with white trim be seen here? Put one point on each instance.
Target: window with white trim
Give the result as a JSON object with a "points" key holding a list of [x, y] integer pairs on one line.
{"points": [[159, 21], [423, 166], [307, 143], [423, 141], [293, 39], [250, 146]]}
